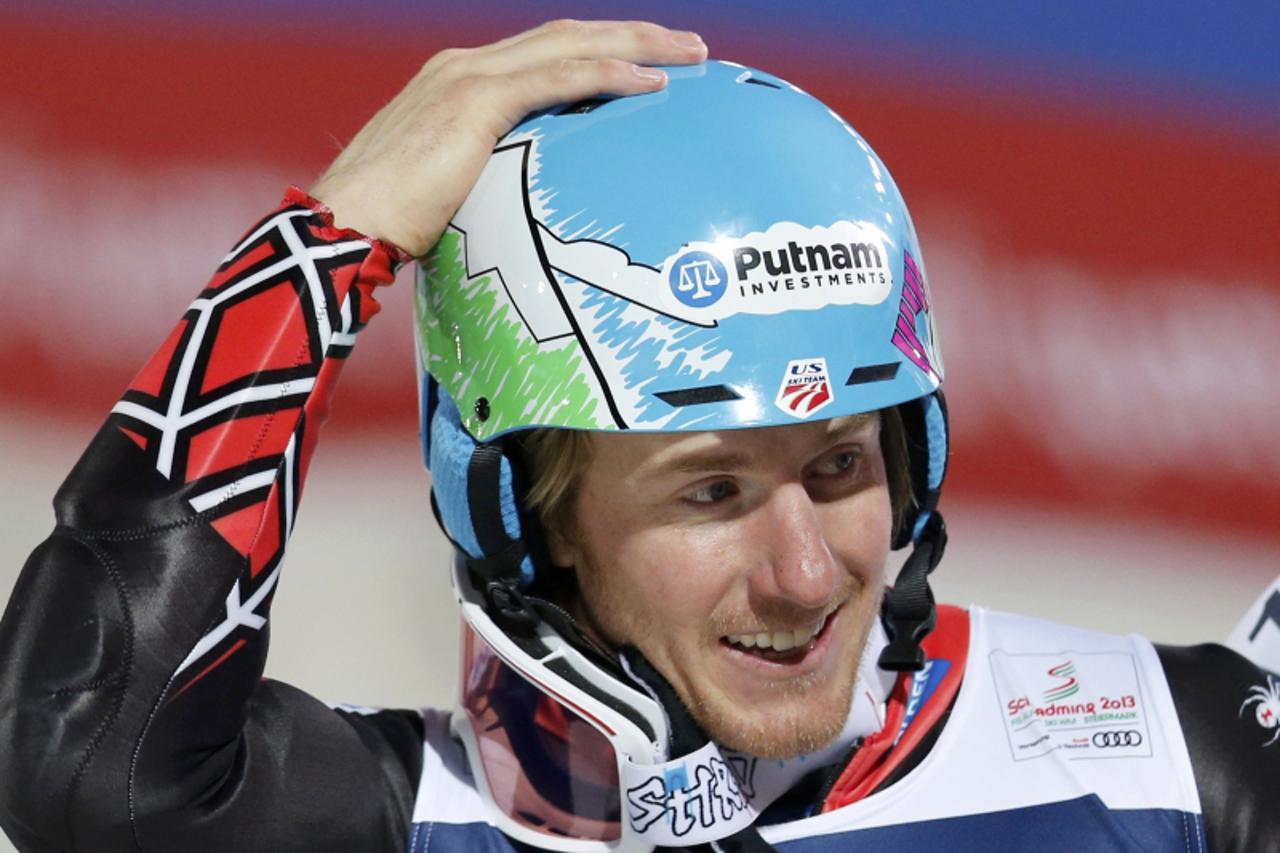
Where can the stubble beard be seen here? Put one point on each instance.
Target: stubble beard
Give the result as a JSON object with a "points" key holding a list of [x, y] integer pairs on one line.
{"points": [[810, 715]]}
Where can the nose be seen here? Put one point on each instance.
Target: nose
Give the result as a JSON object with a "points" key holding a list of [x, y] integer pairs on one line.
{"points": [[798, 565]]}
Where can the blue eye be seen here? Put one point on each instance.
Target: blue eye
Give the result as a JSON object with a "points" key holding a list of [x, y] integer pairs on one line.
{"points": [[714, 492], [838, 463]]}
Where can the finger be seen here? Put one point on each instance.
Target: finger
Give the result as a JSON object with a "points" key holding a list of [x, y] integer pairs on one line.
{"points": [[567, 32], [636, 42], [567, 80]]}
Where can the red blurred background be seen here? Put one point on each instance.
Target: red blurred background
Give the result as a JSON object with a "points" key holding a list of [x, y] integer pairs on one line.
{"points": [[1102, 230]]}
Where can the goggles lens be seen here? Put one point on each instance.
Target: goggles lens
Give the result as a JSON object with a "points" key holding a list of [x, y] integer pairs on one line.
{"points": [[546, 767]]}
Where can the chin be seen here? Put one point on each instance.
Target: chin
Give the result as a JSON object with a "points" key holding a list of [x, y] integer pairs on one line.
{"points": [[805, 721]]}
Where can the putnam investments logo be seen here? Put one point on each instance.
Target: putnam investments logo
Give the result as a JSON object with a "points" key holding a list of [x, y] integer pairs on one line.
{"points": [[787, 267], [1068, 684]]}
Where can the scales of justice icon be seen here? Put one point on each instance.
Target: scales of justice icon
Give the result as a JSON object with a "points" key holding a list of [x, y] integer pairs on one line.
{"points": [[698, 276]]}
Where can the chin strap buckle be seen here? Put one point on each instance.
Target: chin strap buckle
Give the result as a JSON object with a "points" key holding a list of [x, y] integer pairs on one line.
{"points": [[909, 614], [903, 654], [511, 609]]}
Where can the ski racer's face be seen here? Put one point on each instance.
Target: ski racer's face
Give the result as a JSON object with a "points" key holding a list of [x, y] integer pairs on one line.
{"points": [[747, 565]]}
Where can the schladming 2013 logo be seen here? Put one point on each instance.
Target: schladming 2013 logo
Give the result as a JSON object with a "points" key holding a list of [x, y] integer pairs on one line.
{"points": [[806, 387], [1067, 684]]}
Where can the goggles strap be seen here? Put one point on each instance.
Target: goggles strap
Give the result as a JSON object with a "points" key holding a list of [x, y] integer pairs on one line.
{"points": [[692, 800], [745, 841], [695, 799], [909, 612]]}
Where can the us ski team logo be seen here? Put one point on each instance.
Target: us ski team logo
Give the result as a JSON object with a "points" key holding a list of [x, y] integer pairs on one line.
{"points": [[806, 387]]}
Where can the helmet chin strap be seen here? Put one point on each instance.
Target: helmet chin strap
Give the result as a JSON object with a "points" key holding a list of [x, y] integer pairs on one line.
{"points": [[746, 785], [909, 614]]}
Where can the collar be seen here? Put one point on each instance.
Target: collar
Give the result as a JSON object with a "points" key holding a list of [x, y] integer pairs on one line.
{"points": [[917, 704]]}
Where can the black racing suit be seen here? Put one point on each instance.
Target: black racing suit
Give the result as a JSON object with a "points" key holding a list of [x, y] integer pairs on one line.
{"points": [[133, 713]]}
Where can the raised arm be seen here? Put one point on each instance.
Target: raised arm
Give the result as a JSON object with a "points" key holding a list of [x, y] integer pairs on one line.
{"points": [[132, 711]]}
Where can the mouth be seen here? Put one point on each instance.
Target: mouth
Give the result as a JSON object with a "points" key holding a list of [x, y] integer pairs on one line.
{"points": [[784, 648]]}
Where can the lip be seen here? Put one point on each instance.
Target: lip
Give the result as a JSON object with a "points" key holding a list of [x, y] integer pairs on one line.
{"points": [[815, 654]]}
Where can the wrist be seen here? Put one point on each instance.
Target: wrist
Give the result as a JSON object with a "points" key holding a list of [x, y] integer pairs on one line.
{"points": [[346, 210], [343, 221]]}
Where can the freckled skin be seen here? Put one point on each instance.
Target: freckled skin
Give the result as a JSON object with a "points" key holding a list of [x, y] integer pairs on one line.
{"points": [[674, 559]]}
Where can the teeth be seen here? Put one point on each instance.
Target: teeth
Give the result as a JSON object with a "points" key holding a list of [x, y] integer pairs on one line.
{"points": [[778, 641]]}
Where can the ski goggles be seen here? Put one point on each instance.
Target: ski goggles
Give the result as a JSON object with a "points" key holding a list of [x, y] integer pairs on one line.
{"points": [[567, 757]]}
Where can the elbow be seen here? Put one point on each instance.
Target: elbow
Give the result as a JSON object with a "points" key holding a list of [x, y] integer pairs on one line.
{"points": [[61, 684]]}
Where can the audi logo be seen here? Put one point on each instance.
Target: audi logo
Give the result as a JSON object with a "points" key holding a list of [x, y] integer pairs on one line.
{"points": [[1117, 738]]}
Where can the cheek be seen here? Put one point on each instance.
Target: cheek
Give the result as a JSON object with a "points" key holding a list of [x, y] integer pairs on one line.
{"points": [[693, 570], [860, 529], [667, 579]]}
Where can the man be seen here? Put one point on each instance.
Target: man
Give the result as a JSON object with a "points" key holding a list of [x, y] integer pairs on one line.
{"points": [[672, 611]]}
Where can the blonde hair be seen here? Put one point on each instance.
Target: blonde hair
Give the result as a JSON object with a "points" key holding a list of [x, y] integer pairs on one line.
{"points": [[559, 458]]}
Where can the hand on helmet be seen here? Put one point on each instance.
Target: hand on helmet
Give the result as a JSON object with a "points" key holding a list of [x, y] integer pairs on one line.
{"points": [[405, 173]]}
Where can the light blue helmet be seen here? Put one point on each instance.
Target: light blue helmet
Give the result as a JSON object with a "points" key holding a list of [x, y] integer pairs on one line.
{"points": [[727, 252]]}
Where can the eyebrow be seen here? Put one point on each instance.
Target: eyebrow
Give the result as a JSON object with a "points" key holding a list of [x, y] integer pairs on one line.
{"points": [[850, 424], [699, 462]]}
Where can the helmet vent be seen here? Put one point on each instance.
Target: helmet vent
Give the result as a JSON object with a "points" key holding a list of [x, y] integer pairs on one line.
{"points": [[697, 396], [756, 81], [873, 373], [583, 107]]}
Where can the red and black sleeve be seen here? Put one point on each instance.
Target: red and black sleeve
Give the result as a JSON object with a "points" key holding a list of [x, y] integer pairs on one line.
{"points": [[133, 714]]}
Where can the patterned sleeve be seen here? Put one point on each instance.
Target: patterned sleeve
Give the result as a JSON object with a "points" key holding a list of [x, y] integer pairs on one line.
{"points": [[133, 714]]}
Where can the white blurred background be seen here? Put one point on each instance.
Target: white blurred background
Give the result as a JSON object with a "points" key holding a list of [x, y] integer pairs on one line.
{"points": [[365, 615]]}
